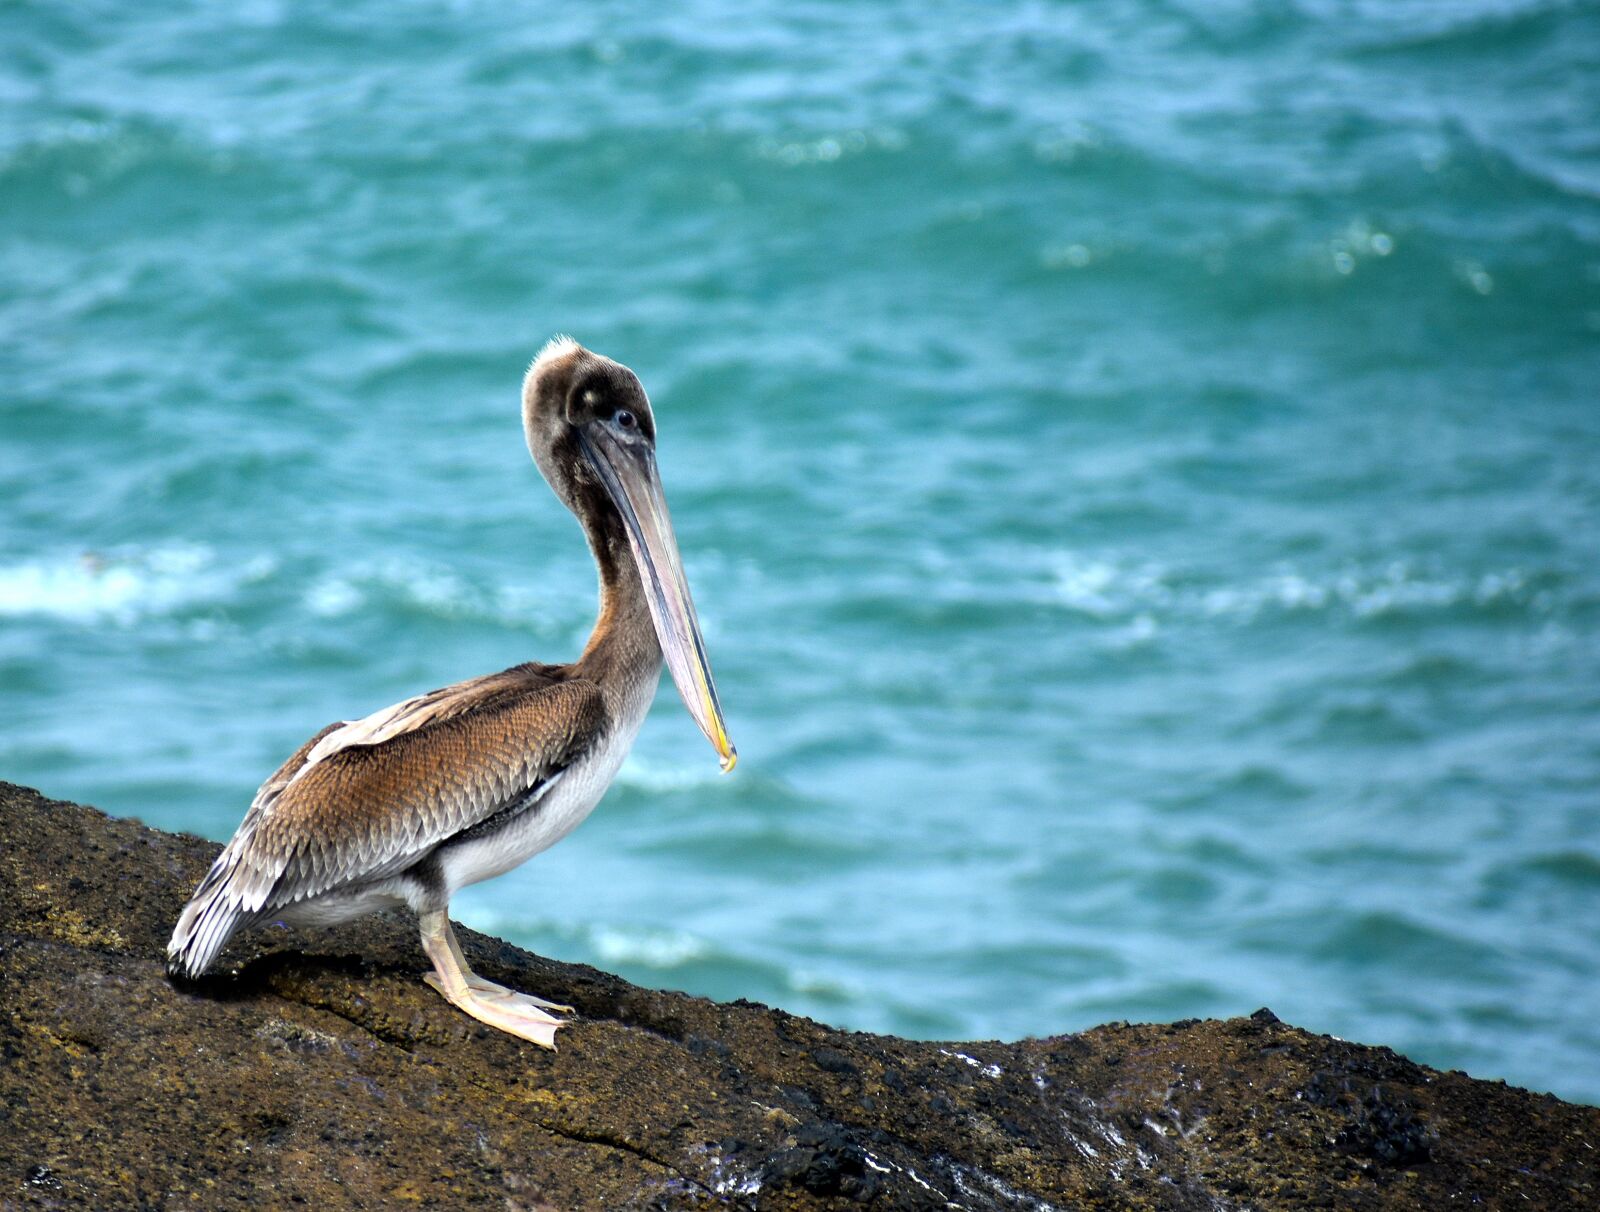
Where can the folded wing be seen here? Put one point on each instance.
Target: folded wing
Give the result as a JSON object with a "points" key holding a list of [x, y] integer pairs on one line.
{"points": [[362, 801]]}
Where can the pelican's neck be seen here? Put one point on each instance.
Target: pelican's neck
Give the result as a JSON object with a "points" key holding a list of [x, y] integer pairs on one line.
{"points": [[623, 651]]}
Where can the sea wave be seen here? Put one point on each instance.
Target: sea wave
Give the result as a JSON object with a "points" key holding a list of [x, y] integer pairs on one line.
{"points": [[1109, 590], [84, 157], [124, 585], [646, 949], [613, 943], [646, 775], [649, 948], [430, 588], [416, 586]]}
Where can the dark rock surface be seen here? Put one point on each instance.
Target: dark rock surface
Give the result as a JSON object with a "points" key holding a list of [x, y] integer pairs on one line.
{"points": [[318, 1071]]}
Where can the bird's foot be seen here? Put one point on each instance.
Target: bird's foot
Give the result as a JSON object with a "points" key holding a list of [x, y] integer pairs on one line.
{"points": [[516, 1014], [491, 990]]}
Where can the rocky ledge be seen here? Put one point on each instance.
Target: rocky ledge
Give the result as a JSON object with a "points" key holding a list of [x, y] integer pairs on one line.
{"points": [[319, 1071]]}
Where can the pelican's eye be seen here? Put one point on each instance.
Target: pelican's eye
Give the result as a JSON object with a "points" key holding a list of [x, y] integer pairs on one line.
{"points": [[625, 419]]}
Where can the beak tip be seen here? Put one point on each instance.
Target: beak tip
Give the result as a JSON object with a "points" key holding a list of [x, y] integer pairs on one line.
{"points": [[730, 759]]}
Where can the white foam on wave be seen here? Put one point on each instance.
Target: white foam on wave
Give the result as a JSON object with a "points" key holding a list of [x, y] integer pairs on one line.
{"points": [[651, 948], [656, 948], [1141, 596], [1105, 590], [1366, 593], [123, 585], [645, 946], [433, 589], [645, 775], [436, 590]]}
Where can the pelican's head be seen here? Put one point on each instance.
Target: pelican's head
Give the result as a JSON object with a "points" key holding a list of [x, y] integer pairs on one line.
{"points": [[592, 434]]}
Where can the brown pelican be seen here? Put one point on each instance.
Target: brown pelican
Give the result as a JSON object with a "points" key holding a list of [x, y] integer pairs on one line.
{"points": [[464, 783]]}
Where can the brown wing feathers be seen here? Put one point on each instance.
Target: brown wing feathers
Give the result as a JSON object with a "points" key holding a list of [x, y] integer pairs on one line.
{"points": [[339, 816], [362, 807]]}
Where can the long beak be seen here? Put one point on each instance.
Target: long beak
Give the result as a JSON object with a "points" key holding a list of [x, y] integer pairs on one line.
{"points": [[628, 471]]}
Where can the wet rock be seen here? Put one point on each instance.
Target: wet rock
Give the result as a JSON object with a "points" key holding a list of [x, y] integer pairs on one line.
{"points": [[825, 1160], [316, 1069], [1387, 1131]]}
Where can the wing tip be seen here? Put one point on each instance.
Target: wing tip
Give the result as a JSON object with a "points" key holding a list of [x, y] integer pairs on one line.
{"points": [[200, 934], [213, 916]]}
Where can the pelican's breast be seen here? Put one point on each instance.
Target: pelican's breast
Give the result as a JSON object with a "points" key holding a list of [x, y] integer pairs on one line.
{"points": [[481, 854]]}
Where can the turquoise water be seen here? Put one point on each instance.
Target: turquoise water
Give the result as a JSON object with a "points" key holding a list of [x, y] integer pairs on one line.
{"points": [[1137, 462]]}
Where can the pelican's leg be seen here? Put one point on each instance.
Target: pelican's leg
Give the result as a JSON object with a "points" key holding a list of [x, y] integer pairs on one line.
{"points": [[488, 988], [510, 1012]]}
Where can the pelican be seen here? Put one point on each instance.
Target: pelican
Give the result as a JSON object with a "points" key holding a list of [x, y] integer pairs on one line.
{"points": [[461, 784]]}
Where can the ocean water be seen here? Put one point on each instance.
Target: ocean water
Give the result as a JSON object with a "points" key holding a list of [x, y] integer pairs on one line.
{"points": [[1137, 462]]}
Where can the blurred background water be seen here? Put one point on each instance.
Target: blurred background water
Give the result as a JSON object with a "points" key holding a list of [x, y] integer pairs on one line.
{"points": [[1137, 462]]}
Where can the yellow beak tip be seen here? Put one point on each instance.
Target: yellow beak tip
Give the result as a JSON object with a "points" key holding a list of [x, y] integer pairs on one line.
{"points": [[730, 759]]}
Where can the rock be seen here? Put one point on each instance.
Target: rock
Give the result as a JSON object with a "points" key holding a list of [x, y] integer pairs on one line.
{"points": [[318, 1070]]}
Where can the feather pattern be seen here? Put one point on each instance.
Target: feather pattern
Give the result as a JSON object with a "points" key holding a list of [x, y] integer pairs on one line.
{"points": [[363, 801]]}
